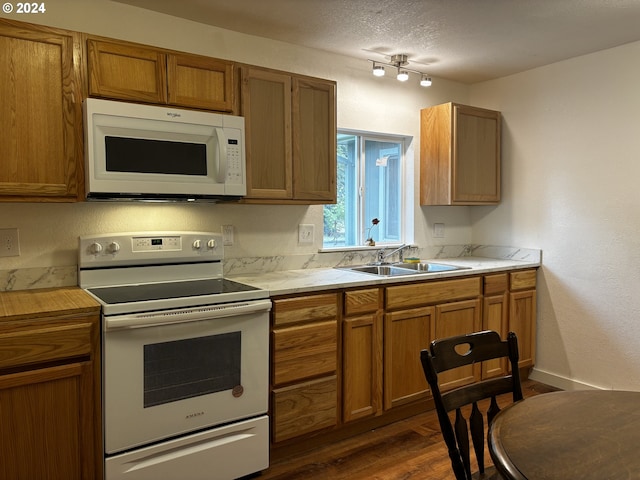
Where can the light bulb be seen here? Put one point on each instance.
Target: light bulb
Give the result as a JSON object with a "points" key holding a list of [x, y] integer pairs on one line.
{"points": [[425, 81], [403, 75], [378, 70]]}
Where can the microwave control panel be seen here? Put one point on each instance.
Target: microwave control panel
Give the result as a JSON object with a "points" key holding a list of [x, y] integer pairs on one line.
{"points": [[234, 162]]}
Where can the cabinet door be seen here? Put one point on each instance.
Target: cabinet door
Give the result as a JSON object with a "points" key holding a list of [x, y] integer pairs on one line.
{"points": [[495, 316], [314, 140], [200, 82], [522, 321], [40, 114], [459, 155], [126, 72], [362, 366], [452, 319], [47, 423], [266, 106], [405, 334], [476, 155]]}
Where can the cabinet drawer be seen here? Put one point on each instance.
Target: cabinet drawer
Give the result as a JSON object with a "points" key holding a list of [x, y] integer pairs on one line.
{"points": [[44, 344], [362, 301], [305, 408], [304, 351], [312, 307], [496, 284], [523, 280], [406, 296]]}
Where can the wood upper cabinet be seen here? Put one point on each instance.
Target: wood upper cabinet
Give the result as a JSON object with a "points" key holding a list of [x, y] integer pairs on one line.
{"points": [[304, 368], [459, 155], [290, 137], [40, 114], [139, 73], [50, 416]]}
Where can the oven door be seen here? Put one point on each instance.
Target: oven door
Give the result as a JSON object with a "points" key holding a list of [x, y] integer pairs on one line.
{"points": [[169, 373]]}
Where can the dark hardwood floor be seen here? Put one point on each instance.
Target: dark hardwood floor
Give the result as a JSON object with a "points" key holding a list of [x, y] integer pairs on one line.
{"points": [[406, 450]]}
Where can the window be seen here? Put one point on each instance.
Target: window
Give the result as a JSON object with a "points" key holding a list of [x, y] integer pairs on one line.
{"points": [[369, 185]]}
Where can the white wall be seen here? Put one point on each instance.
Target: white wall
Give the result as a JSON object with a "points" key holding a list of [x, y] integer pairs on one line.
{"points": [[48, 233], [571, 170]]}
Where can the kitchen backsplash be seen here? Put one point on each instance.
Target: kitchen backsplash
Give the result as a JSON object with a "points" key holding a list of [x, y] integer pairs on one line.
{"points": [[46, 277]]}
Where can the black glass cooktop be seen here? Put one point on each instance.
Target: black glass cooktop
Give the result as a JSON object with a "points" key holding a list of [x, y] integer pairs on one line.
{"points": [[162, 291]]}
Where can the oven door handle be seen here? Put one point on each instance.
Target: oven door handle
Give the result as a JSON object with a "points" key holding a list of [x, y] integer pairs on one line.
{"points": [[184, 315]]}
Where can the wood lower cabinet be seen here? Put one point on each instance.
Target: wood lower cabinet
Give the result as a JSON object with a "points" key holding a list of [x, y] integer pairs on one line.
{"points": [[362, 359], [456, 309], [349, 360], [458, 318], [40, 114], [522, 314], [304, 370], [495, 316], [406, 333], [140, 73], [290, 137], [44, 418], [50, 415]]}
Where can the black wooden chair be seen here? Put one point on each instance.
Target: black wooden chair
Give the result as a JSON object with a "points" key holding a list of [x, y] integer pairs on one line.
{"points": [[448, 353]]}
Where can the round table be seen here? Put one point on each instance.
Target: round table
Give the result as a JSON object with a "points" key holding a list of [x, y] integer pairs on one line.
{"points": [[590, 434]]}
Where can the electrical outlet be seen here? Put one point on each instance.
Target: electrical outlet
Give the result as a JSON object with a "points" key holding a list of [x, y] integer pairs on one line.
{"points": [[305, 234], [227, 235], [9, 242]]}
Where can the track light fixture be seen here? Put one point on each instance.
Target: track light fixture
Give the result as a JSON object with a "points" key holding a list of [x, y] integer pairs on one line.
{"points": [[378, 70], [399, 62]]}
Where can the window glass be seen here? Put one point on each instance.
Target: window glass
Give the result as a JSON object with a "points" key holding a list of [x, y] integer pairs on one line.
{"points": [[369, 186]]}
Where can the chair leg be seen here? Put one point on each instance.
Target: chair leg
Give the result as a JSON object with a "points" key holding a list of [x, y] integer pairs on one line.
{"points": [[462, 437], [477, 435]]}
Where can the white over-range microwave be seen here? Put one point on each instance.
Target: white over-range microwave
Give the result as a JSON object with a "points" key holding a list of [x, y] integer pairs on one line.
{"points": [[149, 152]]}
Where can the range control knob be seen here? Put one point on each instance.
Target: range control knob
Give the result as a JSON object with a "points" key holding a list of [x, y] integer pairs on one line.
{"points": [[197, 244], [211, 244], [95, 248], [113, 247]]}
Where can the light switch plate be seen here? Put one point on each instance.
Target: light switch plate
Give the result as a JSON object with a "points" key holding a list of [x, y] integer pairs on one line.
{"points": [[438, 230], [305, 234], [227, 235]]}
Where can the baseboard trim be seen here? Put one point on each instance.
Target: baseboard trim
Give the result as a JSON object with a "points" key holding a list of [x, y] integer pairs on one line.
{"points": [[561, 382]]}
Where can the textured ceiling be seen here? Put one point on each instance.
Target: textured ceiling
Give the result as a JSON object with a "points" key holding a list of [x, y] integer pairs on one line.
{"points": [[463, 40]]}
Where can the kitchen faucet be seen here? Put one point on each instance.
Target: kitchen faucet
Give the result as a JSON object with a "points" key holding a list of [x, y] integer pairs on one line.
{"points": [[382, 255]]}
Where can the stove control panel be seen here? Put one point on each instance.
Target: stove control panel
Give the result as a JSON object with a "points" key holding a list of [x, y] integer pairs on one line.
{"points": [[147, 248]]}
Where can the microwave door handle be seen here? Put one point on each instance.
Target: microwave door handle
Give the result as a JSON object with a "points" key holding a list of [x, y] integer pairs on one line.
{"points": [[221, 174]]}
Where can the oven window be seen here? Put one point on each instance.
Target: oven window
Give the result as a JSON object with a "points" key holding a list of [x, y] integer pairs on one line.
{"points": [[189, 368], [138, 155]]}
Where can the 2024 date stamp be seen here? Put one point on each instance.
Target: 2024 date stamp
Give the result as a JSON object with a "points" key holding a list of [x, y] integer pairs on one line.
{"points": [[24, 7]]}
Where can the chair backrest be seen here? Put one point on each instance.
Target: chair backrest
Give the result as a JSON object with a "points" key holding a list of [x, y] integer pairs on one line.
{"points": [[448, 353]]}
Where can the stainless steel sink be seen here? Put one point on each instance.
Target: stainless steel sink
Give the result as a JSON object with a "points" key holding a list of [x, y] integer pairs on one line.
{"points": [[426, 267], [399, 269], [382, 270]]}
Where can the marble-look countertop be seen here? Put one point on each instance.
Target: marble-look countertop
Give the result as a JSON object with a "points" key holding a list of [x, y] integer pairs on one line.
{"points": [[314, 279]]}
